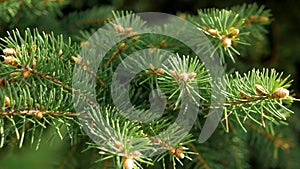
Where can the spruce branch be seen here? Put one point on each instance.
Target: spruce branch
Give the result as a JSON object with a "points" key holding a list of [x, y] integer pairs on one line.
{"points": [[32, 93], [258, 93], [230, 29]]}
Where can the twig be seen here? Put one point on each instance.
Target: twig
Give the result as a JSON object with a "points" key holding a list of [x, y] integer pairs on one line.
{"points": [[199, 157]]}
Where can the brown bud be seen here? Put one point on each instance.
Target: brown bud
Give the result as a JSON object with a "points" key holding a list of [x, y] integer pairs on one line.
{"points": [[122, 46], [172, 150], [179, 154], [253, 18], [192, 75], [33, 63], [181, 148], [32, 48], [128, 30], [38, 115], [163, 43], [77, 60], [213, 32], [60, 52], [84, 43], [6, 101], [135, 35], [260, 90], [9, 51], [281, 93], [233, 32], [183, 77], [2, 82], [10, 60], [173, 73], [128, 163], [14, 74], [264, 19], [84, 67], [159, 71], [26, 73], [226, 42], [118, 28]]}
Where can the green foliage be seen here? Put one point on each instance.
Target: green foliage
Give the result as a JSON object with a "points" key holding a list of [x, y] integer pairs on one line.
{"points": [[37, 90]]}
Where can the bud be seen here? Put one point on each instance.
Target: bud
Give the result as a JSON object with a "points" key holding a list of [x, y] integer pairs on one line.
{"points": [[281, 93], [122, 46], [226, 42], [253, 18], [128, 163], [179, 154], [2, 82], [77, 60], [9, 51], [192, 75], [134, 34], [84, 43], [128, 30], [14, 74], [6, 101], [60, 52], [260, 90], [173, 73], [172, 150], [32, 48], [233, 32], [183, 77], [264, 19], [10, 60], [163, 43], [118, 28], [159, 71], [26, 73], [213, 32], [39, 115]]}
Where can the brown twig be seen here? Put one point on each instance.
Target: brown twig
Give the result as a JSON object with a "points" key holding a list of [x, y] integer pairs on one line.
{"points": [[278, 141], [34, 112], [105, 164], [199, 157]]}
